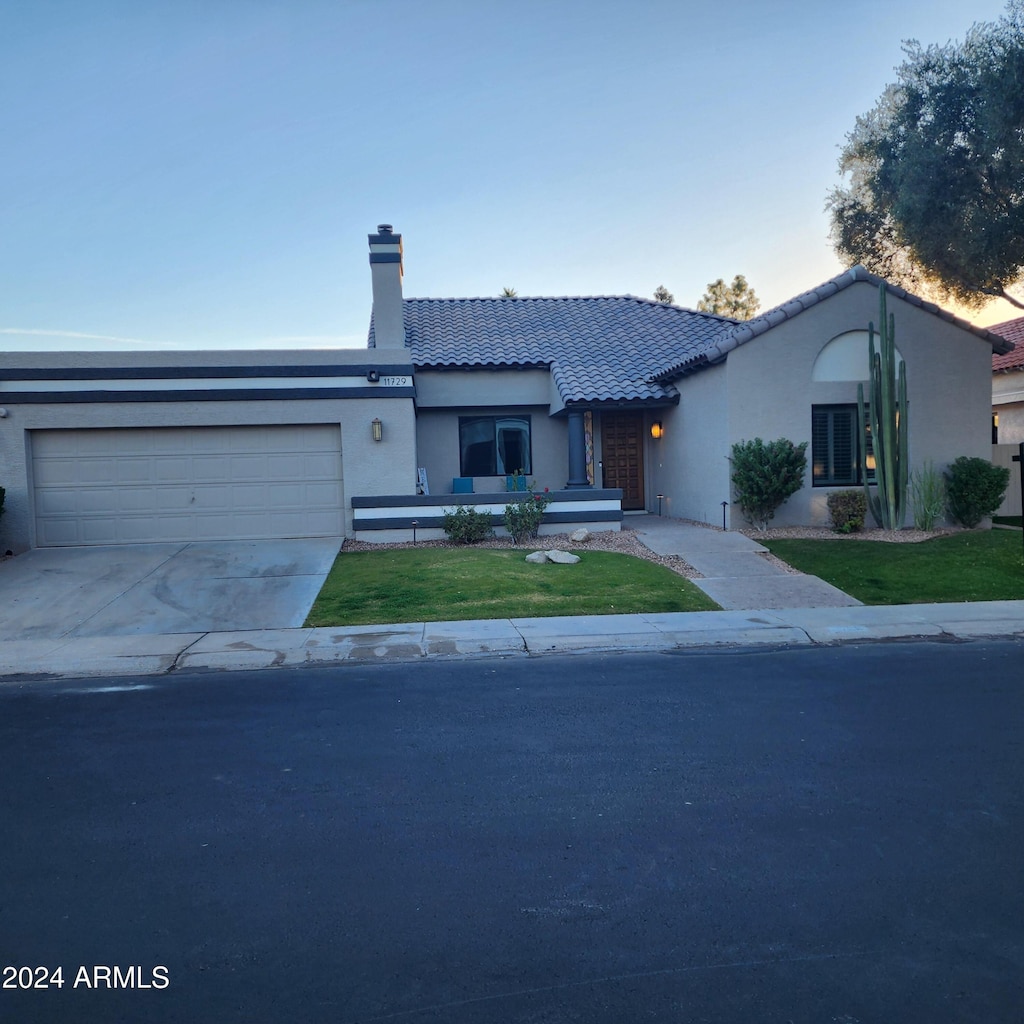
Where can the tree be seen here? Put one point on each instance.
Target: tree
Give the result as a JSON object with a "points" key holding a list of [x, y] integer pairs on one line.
{"points": [[508, 293], [737, 300], [662, 294], [933, 197]]}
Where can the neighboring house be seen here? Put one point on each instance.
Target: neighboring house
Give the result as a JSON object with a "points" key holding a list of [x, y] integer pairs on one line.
{"points": [[611, 403], [1008, 411], [1008, 385]]}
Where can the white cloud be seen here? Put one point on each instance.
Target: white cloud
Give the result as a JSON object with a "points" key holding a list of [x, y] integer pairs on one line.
{"points": [[33, 339]]}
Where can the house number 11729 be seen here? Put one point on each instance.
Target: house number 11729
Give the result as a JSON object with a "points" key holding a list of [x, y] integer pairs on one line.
{"points": [[395, 382]]}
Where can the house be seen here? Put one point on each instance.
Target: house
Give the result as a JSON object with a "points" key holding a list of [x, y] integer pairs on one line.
{"points": [[623, 393], [1008, 411], [613, 404], [1008, 385]]}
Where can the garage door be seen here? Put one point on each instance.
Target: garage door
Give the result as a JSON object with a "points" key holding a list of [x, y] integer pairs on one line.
{"points": [[186, 483]]}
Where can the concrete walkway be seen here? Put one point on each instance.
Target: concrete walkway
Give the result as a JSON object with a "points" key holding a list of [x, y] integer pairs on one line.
{"points": [[736, 572]]}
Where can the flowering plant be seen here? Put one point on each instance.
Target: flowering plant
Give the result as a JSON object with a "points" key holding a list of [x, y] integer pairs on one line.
{"points": [[523, 518]]}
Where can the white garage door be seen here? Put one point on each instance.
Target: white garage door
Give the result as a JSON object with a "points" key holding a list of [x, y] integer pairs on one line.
{"points": [[186, 483]]}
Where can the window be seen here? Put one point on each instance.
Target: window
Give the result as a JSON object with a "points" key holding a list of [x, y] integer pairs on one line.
{"points": [[835, 447], [494, 445]]}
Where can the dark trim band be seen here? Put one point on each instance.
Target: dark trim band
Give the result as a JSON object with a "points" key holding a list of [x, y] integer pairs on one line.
{"points": [[204, 372], [437, 522], [484, 498], [233, 395]]}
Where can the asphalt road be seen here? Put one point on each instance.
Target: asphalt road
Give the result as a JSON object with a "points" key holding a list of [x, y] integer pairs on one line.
{"points": [[816, 835]]}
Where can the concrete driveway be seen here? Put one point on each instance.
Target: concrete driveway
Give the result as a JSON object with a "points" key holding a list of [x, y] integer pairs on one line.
{"points": [[138, 589]]}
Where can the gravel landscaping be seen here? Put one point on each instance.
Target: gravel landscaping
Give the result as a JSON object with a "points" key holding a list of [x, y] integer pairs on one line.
{"points": [[627, 542], [624, 542]]}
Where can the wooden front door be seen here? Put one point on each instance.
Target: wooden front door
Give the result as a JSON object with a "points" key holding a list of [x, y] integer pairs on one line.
{"points": [[622, 453]]}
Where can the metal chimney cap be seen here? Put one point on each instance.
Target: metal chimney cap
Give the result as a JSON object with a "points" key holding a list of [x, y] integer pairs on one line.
{"points": [[384, 229]]}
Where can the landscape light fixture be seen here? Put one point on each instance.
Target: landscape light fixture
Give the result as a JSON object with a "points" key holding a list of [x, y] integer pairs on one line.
{"points": [[377, 429], [657, 430]]}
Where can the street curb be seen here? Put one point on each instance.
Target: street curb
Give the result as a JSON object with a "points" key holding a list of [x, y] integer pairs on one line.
{"points": [[596, 634]]}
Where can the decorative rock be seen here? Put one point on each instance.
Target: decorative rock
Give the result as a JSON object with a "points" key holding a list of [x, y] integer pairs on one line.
{"points": [[580, 536], [562, 557], [554, 555]]}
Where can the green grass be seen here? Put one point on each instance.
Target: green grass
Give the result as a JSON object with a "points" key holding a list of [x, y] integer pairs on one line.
{"points": [[977, 565], [435, 584]]}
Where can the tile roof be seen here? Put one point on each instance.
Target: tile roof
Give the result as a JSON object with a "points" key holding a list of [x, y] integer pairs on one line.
{"points": [[732, 337], [1011, 330], [599, 349], [616, 348]]}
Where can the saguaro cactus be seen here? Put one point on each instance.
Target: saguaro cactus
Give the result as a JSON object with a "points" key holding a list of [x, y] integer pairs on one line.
{"points": [[887, 415]]}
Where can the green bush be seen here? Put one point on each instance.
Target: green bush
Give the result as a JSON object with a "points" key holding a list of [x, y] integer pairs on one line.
{"points": [[522, 518], [765, 474], [975, 489], [928, 494], [465, 525], [847, 510]]}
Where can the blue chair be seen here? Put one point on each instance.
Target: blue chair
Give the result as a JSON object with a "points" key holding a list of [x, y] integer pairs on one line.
{"points": [[462, 485]]}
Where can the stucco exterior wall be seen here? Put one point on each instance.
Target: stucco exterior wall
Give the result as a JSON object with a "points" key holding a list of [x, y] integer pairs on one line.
{"points": [[687, 465], [949, 380], [369, 467], [462, 389], [442, 396], [437, 434]]}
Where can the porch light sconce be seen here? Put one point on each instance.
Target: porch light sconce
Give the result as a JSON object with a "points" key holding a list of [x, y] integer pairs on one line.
{"points": [[657, 430], [377, 429], [373, 376]]}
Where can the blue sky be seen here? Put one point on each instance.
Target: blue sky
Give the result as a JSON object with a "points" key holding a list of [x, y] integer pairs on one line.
{"points": [[204, 174]]}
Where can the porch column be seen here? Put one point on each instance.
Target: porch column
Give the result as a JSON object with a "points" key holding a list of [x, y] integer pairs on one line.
{"points": [[577, 452]]}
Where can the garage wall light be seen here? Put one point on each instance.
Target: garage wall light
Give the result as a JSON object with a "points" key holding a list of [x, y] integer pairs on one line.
{"points": [[377, 429], [657, 430]]}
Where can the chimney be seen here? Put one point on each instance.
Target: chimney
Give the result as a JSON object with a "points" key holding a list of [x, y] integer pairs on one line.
{"points": [[386, 271]]}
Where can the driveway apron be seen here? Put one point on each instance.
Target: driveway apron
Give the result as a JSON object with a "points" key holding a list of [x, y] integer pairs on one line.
{"points": [[142, 589]]}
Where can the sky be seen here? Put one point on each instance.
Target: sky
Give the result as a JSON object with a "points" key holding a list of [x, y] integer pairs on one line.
{"points": [[179, 174]]}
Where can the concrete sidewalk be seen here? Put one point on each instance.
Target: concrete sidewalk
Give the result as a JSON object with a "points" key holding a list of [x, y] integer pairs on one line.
{"points": [[409, 642], [765, 606], [736, 572]]}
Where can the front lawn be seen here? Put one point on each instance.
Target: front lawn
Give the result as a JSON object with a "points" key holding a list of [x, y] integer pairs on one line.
{"points": [[436, 584], [976, 565]]}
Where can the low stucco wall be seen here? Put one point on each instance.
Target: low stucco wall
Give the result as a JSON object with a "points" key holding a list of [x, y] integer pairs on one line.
{"points": [[396, 518]]}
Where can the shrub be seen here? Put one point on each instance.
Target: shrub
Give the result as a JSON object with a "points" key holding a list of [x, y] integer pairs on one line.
{"points": [[975, 488], [847, 509], [522, 518], [928, 495], [765, 474], [466, 525]]}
